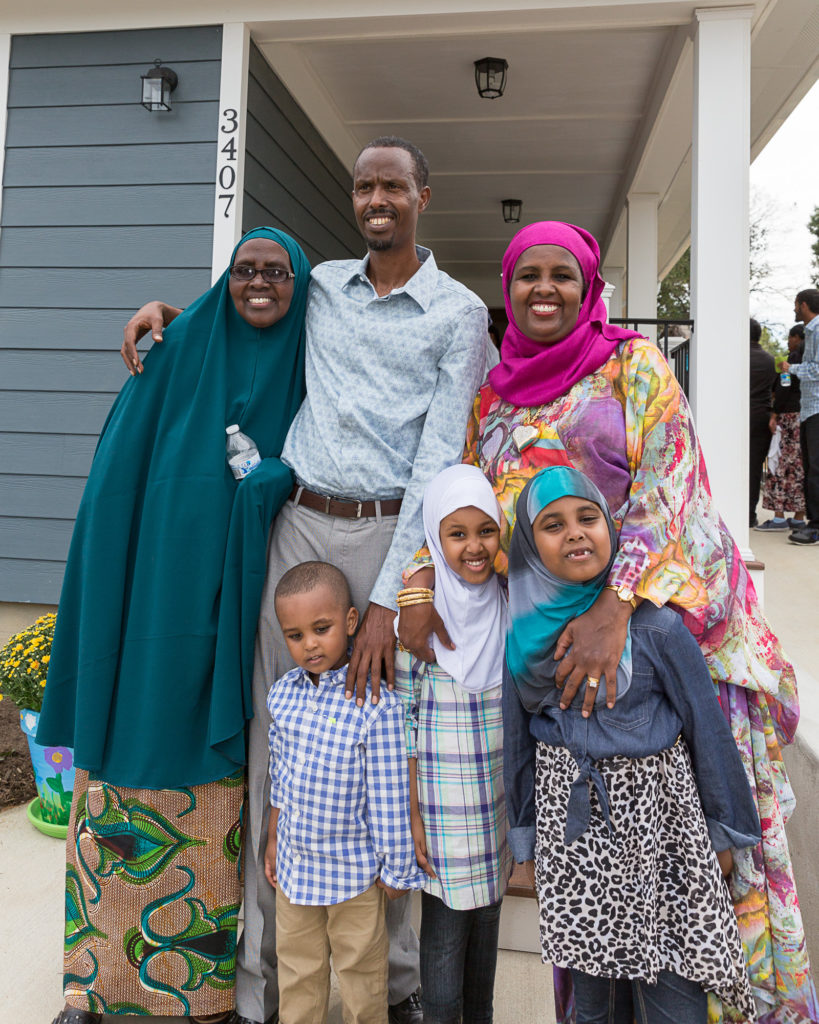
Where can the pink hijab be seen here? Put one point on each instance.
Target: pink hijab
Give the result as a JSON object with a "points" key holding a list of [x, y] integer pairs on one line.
{"points": [[531, 373]]}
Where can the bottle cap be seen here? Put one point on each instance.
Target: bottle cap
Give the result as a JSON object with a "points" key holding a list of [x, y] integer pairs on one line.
{"points": [[232, 429]]}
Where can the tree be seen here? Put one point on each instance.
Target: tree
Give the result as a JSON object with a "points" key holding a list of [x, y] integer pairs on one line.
{"points": [[813, 227], [777, 348], [674, 293], [763, 213]]}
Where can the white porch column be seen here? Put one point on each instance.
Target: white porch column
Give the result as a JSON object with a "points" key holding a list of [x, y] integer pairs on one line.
{"points": [[719, 255], [641, 298], [230, 145], [614, 277]]}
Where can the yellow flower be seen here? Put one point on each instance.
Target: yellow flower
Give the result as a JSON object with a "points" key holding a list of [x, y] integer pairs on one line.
{"points": [[18, 647], [1, 696], [46, 659], [42, 683], [33, 666]]}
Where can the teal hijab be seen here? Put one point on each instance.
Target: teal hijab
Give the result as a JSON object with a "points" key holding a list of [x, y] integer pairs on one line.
{"points": [[541, 604], [130, 682]]}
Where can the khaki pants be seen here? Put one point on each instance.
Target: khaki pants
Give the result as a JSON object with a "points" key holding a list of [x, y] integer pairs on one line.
{"points": [[354, 933]]}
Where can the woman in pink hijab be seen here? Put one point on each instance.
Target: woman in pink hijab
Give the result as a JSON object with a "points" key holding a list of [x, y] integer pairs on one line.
{"points": [[573, 389]]}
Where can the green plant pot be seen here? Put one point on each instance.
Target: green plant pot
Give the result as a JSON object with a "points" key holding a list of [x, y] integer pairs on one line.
{"points": [[54, 776]]}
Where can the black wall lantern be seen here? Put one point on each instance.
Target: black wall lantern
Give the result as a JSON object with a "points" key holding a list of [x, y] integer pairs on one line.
{"points": [[512, 210], [490, 77], [157, 85]]}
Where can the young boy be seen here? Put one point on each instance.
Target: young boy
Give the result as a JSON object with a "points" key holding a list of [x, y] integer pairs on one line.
{"points": [[339, 840]]}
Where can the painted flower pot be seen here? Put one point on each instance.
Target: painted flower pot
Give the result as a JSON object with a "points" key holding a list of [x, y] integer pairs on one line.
{"points": [[53, 773]]}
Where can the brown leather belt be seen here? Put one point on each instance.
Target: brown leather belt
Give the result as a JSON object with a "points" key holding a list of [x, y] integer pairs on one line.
{"points": [[345, 508]]}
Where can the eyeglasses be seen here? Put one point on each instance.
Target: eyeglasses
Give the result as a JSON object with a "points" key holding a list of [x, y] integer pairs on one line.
{"points": [[273, 275]]}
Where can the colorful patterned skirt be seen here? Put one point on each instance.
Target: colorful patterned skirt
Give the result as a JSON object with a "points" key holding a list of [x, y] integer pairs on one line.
{"points": [[152, 897], [785, 489]]}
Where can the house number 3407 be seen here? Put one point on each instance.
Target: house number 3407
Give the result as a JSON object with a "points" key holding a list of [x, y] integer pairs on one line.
{"points": [[226, 173]]}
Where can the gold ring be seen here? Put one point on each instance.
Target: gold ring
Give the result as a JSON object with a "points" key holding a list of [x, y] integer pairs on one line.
{"points": [[593, 683]]}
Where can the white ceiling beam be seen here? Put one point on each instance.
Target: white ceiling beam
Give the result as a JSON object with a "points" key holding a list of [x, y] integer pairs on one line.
{"points": [[272, 20]]}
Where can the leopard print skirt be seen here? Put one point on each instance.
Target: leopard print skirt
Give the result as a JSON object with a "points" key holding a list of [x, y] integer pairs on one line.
{"points": [[648, 897]]}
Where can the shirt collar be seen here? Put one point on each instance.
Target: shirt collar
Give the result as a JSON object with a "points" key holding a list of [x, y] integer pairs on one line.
{"points": [[811, 322], [334, 678], [420, 287]]}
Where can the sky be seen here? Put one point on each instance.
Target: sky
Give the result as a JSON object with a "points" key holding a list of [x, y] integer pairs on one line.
{"points": [[785, 187]]}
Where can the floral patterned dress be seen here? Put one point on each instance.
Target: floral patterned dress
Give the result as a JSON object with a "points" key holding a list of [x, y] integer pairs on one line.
{"points": [[629, 428]]}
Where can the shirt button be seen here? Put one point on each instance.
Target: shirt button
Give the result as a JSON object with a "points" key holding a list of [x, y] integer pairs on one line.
{"points": [[313, 706], [296, 813], [301, 759], [297, 859]]}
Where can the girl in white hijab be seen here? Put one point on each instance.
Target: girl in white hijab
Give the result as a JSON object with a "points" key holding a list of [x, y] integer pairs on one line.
{"points": [[455, 743]]}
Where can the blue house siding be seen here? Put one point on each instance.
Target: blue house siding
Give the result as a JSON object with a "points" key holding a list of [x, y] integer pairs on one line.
{"points": [[104, 206], [293, 180]]}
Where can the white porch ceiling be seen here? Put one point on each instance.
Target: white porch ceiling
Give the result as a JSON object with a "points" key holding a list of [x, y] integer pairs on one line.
{"points": [[598, 104]]}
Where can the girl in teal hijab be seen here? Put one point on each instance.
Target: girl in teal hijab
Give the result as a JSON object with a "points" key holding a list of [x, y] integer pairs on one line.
{"points": [[541, 603], [131, 673]]}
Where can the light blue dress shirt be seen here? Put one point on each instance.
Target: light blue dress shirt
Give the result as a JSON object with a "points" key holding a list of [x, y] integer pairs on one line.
{"points": [[390, 382], [808, 372]]}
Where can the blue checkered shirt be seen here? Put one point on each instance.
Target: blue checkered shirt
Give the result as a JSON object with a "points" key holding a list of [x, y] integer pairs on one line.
{"points": [[390, 384], [808, 372], [339, 775]]}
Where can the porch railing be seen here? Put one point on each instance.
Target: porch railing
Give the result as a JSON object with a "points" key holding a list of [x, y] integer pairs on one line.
{"points": [[676, 349]]}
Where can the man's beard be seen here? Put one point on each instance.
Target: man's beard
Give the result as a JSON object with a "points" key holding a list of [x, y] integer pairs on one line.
{"points": [[379, 244]]}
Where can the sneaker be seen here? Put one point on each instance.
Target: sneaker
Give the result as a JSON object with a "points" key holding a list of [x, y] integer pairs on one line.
{"points": [[770, 525], [807, 535], [796, 524]]}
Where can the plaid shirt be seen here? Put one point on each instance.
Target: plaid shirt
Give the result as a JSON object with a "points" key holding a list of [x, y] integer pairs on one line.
{"points": [[339, 776], [457, 738], [808, 372]]}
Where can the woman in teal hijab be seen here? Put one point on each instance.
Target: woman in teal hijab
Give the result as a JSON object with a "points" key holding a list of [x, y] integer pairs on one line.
{"points": [[148, 675]]}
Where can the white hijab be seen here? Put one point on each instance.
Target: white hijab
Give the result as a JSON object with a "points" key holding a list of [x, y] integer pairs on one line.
{"points": [[473, 613]]}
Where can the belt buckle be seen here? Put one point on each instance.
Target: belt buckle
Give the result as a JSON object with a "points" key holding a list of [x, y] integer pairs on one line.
{"points": [[358, 510]]}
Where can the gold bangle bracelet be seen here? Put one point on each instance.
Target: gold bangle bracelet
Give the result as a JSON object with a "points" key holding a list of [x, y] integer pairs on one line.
{"points": [[416, 600], [411, 591]]}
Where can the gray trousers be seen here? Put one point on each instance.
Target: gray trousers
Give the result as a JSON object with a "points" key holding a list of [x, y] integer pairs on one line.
{"points": [[357, 547]]}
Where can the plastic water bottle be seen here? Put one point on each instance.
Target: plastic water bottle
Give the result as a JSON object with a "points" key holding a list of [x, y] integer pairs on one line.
{"points": [[785, 380], [242, 454]]}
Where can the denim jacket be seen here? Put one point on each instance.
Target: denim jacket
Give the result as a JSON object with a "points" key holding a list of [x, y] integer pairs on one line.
{"points": [[671, 693]]}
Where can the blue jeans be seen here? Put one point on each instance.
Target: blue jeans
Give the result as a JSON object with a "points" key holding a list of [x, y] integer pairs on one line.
{"points": [[673, 1000], [459, 952]]}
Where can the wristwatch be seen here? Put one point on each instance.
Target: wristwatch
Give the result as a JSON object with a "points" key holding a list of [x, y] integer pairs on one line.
{"points": [[623, 594]]}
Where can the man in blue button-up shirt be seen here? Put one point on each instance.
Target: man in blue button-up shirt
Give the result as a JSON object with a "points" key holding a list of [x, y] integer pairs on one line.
{"points": [[396, 351]]}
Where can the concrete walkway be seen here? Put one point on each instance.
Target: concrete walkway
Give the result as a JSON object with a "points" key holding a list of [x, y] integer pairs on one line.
{"points": [[31, 864]]}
